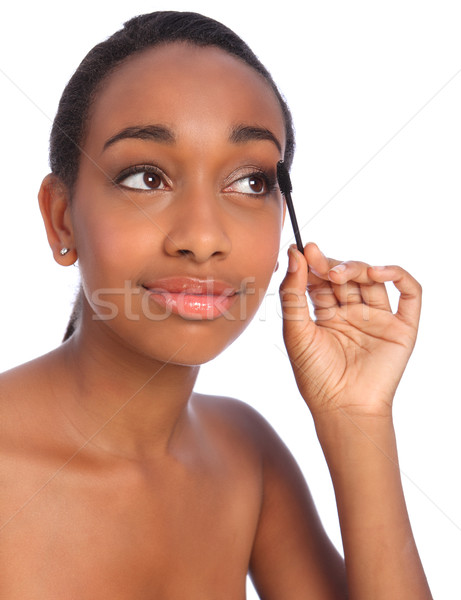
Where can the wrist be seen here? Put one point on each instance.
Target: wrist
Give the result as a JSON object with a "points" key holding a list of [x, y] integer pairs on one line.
{"points": [[355, 435]]}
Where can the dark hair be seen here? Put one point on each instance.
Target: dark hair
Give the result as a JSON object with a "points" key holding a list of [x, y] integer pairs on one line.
{"points": [[138, 34]]}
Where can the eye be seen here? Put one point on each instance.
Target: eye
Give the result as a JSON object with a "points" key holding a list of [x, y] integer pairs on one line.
{"points": [[254, 184], [142, 177]]}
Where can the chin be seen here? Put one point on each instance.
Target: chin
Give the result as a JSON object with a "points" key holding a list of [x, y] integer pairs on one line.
{"points": [[196, 350], [181, 342]]}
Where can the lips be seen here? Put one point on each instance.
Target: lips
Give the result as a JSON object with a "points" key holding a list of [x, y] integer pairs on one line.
{"points": [[195, 299]]}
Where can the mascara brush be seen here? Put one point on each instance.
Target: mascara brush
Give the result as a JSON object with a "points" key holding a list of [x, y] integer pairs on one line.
{"points": [[285, 186]]}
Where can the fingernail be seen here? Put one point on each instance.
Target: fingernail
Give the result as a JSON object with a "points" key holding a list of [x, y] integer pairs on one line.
{"points": [[292, 260], [338, 268], [379, 268]]}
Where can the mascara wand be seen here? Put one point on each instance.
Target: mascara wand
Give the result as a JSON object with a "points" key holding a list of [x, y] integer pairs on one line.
{"points": [[285, 186]]}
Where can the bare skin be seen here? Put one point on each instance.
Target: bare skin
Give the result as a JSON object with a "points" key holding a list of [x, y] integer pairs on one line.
{"points": [[123, 483], [125, 527]]}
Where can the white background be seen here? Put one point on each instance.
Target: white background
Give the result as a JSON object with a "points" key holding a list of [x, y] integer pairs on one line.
{"points": [[375, 91]]}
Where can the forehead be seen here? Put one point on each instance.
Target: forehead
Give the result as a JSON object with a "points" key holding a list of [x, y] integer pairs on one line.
{"points": [[189, 88]]}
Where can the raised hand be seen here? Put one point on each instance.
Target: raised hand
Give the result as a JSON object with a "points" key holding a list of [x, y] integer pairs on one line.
{"points": [[352, 355]]}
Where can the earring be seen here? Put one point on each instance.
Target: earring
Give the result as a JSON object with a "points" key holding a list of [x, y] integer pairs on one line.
{"points": [[276, 266], [64, 251]]}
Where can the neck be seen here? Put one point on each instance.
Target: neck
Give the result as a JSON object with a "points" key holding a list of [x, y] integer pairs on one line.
{"points": [[127, 403]]}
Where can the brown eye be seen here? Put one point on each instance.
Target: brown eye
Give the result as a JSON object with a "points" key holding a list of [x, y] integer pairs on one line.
{"points": [[252, 185], [152, 180], [257, 184], [142, 179]]}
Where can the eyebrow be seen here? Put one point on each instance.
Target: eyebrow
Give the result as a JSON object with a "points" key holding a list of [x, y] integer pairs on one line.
{"points": [[158, 133], [239, 134], [248, 133]]}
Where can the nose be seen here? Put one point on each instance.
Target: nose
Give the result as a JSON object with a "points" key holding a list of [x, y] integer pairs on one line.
{"points": [[198, 227]]}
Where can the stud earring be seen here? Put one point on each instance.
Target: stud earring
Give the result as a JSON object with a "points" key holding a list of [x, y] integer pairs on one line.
{"points": [[64, 251]]}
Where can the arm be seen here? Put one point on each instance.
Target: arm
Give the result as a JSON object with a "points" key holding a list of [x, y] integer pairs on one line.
{"points": [[292, 557], [347, 364], [381, 556]]}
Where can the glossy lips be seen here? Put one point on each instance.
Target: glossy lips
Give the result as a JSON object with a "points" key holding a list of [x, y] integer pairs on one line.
{"points": [[193, 299]]}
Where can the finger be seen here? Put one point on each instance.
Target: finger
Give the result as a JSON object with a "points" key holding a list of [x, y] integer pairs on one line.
{"points": [[319, 264], [298, 327], [355, 285], [344, 278], [293, 287], [319, 286], [376, 296], [409, 306], [350, 270]]}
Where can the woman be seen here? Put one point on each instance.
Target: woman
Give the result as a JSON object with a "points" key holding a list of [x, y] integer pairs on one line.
{"points": [[121, 481]]}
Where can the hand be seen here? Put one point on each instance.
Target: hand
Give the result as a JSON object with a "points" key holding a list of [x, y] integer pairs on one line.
{"points": [[352, 356]]}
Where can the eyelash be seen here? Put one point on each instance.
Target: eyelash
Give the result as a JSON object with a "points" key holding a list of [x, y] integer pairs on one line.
{"points": [[138, 169], [270, 181]]}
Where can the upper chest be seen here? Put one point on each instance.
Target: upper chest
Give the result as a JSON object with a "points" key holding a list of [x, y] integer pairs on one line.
{"points": [[65, 527]]}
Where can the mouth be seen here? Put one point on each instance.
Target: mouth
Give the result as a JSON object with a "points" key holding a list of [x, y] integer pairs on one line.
{"points": [[193, 299]]}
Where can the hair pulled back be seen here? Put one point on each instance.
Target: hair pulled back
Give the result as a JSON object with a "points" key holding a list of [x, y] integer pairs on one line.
{"points": [[138, 34]]}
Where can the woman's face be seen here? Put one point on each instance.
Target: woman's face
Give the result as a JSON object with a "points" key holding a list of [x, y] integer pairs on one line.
{"points": [[176, 212]]}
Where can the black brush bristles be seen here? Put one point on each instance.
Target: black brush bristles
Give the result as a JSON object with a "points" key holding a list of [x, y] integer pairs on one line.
{"points": [[283, 177]]}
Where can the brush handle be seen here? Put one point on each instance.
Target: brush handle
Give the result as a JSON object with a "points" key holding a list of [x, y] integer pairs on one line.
{"points": [[294, 222], [284, 181]]}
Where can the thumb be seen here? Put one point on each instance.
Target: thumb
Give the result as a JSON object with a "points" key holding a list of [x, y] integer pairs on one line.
{"points": [[293, 298]]}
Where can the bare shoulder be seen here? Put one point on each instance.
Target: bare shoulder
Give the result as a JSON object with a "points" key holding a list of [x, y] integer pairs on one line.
{"points": [[19, 382], [238, 422], [24, 376], [23, 394], [244, 429], [15, 384], [291, 551], [245, 434]]}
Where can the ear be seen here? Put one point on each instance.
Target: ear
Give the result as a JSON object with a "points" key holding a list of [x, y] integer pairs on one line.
{"points": [[54, 201]]}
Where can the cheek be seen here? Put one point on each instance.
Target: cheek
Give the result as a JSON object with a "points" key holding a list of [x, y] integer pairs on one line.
{"points": [[256, 251], [111, 244], [262, 244], [118, 245]]}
